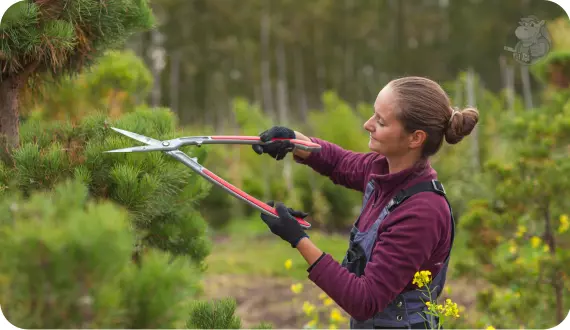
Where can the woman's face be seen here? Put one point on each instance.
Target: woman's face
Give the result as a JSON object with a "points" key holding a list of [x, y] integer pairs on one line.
{"points": [[387, 135]]}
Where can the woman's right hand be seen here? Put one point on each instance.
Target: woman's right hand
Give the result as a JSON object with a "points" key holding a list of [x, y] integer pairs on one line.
{"points": [[279, 149]]}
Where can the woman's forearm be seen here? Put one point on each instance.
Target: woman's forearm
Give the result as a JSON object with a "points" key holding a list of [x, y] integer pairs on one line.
{"points": [[309, 250], [298, 152]]}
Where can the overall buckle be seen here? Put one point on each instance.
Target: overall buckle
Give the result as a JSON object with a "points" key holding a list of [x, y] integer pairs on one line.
{"points": [[438, 187]]}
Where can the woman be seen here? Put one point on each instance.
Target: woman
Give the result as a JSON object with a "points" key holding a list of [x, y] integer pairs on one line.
{"points": [[406, 224]]}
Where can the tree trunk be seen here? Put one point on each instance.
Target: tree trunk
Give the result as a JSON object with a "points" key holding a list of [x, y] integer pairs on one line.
{"points": [[175, 82], [321, 67], [470, 86], [527, 90], [283, 106], [400, 36], [266, 62], [508, 75], [157, 66], [282, 94], [9, 111], [458, 98], [300, 84]]}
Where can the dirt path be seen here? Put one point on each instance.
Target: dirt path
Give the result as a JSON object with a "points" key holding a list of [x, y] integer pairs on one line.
{"points": [[269, 299], [264, 299]]}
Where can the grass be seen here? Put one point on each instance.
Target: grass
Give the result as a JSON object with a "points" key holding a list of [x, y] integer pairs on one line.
{"points": [[248, 247]]}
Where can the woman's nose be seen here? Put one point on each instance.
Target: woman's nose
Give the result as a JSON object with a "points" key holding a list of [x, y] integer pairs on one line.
{"points": [[367, 125]]}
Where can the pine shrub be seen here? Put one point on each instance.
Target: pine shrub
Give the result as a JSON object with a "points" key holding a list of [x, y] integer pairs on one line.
{"points": [[100, 240], [65, 262]]}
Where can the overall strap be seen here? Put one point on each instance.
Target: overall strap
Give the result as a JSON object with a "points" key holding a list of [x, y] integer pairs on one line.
{"points": [[433, 186], [408, 308]]}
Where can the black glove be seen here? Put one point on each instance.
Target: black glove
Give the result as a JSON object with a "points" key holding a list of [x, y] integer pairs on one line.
{"points": [[275, 149], [286, 226]]}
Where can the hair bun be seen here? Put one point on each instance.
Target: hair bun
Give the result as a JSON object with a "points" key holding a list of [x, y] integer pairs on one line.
{"points": [[462, 122]]}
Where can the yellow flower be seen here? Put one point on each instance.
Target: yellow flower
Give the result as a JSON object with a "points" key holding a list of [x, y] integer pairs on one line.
{"points": [[311, 324], [296, 288], [490, 327], [422, 278], [308, 308], [535, 241], [288, 264], [336, 315], [513, 249], [328, 302], [521, 231], [546, 248], [428, 304], [323, 296], [450, 308], [564, 224], [333, 326]]}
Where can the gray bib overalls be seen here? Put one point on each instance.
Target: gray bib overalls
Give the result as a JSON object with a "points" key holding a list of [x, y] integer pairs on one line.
{"points": [[406, 310]]}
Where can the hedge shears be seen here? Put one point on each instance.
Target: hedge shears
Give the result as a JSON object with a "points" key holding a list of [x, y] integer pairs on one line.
{"points": [[170, 147]]}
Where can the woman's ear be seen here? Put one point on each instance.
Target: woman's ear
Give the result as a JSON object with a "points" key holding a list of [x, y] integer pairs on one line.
{"points": [[417, 139]]}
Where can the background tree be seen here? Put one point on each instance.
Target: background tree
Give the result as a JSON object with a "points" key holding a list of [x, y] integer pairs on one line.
{"points": [[116, 83], [58, 37], [519, 231]]}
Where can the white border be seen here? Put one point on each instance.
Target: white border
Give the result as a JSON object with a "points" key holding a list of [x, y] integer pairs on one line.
{"points": [[5, 4]]}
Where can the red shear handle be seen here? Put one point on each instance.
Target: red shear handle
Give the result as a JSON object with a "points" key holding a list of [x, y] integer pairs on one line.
{"points": [[252, 200], [301, 144]]}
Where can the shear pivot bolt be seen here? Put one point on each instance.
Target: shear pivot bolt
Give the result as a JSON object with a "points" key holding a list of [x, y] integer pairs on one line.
{"points": [[165, 143]]}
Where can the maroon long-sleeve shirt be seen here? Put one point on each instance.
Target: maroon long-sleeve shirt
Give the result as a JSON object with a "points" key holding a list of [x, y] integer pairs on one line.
{"points": [[415, 236]]}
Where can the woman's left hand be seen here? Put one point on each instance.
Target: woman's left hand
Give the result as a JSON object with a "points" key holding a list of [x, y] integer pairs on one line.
{"points": [[285, 226]]}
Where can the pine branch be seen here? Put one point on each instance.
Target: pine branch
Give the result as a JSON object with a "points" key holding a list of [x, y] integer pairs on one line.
{"points": [[216, 315], [65, 36]]}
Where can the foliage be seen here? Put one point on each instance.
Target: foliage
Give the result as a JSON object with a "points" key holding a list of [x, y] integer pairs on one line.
{"points": [[519, 235], [51, 39], [339, 123], [558, 29], [62, 36], [64, 250], [218, 314], [115, 84], [553, 68], [161, 193], [215, 315]]}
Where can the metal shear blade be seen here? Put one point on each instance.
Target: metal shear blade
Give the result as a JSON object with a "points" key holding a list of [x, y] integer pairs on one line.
{"points": [[140, 149], [152, 144], [170, 147], [138, 137]]}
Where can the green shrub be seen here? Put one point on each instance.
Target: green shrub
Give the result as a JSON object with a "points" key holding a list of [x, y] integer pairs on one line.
{"points": [[114, 84], [519, 234], [65, 262]]}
